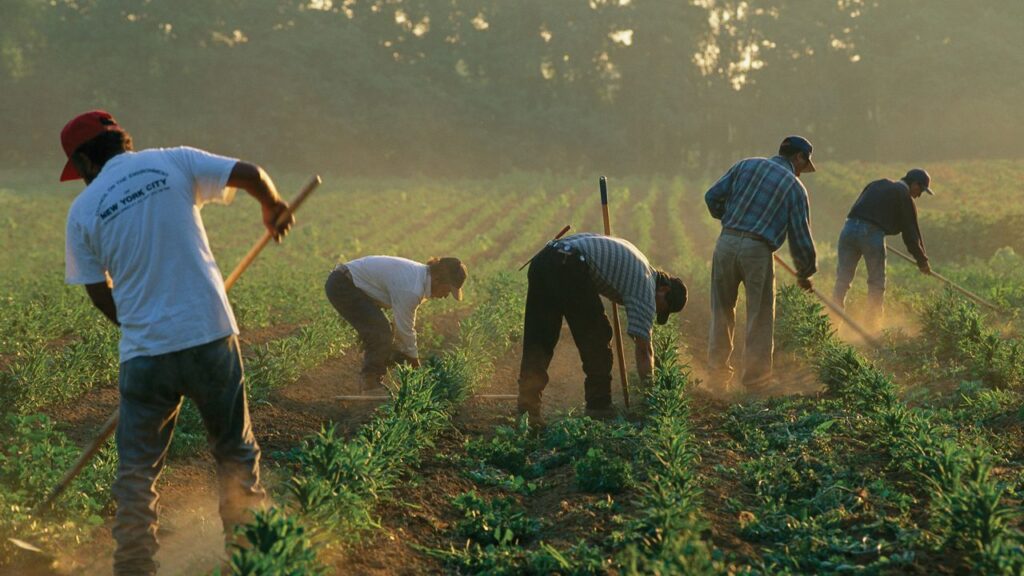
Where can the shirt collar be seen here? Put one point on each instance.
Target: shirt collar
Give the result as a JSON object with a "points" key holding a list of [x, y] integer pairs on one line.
{"points": [[783, 161]]}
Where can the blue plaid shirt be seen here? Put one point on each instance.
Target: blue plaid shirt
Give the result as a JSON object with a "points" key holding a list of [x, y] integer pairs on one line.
{"points": [[763, 196]]}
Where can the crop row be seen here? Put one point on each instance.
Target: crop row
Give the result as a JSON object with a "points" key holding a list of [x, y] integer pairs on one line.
{"points": [[861, 480], [643, 476], [336, 483]]}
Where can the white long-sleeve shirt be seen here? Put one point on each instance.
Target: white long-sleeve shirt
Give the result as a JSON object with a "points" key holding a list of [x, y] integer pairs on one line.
{"points": [[397, 283]]}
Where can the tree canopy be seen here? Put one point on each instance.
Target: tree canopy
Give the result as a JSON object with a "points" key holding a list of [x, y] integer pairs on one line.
{"points": [[476, 87]]}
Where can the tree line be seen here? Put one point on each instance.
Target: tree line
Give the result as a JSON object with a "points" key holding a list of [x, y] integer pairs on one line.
{"points": [[478, 87]]}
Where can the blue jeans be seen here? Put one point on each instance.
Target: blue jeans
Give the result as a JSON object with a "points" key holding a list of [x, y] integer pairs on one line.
{"points": [[862, 239], [152, 388]]}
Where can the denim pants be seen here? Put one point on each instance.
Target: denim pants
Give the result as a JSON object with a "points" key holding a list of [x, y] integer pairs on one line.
{"points": [[860, 238], [748, 261], [369, 321], [151, 389], [560, 287]]}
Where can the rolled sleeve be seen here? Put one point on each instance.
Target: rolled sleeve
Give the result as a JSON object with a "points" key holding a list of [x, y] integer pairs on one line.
{"points": [[801, 243]]}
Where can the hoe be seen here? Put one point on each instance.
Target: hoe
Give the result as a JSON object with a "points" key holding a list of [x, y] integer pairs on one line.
{"points": [[111, 424]]}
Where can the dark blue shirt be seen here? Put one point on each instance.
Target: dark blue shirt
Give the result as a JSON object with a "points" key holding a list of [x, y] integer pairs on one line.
{"points": [[888, 205]]}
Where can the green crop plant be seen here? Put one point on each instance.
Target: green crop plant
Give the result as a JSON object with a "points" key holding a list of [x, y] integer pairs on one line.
{"points": [[968, 509], [665, 536], [508, 448], [24, 483], [336, 483], [601, 472], [274, 544], [963, 335], [496, 521]]}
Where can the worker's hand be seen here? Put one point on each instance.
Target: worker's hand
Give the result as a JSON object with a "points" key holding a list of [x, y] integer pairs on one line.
{"points": [[925, 268], [272, 212], [805, 284]]}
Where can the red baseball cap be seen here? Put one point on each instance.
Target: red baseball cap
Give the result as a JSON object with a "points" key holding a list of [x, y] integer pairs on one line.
{"points": [[80, 130]]}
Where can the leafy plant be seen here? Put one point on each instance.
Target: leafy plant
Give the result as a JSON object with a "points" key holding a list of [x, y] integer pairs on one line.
{"points": [[498, 521]]}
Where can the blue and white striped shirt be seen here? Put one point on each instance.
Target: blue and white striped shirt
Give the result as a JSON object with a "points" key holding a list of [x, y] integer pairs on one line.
{"points": [[763, 196], [622, 274]]}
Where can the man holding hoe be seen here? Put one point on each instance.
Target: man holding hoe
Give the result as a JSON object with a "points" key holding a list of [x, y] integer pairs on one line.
{"points": [[884, 207], [360, 289], [761, 202], [137, 222], [566, 280]]}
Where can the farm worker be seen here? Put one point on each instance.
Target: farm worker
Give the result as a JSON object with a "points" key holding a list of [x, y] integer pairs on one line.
{"points": [[884, 207], [761, 202], [138, 220], [566, 280], [359, 290]]}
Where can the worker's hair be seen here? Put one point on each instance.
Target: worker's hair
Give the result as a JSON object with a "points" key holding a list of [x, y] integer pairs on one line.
{"points": [[661, 278], [106, 146]]}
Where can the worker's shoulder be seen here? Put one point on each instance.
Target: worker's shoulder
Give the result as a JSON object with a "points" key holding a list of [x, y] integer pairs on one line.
{"points": [[884, 185]]}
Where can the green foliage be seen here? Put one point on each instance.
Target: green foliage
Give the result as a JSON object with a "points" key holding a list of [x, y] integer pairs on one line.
{"points": [[600, 472], [276, 545], [494, 521], [665, 536], [963, 335], [507, 449], [33, 457], [802, 478]]}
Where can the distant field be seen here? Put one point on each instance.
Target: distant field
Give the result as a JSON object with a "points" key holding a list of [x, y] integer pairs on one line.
{"points": [[909, 460]]}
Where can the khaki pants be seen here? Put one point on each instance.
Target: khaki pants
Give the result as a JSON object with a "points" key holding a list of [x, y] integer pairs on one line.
{"points": [[748, 261]]}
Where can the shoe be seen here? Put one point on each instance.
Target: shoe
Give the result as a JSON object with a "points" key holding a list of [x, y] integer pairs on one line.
{"points": [[373, 385], [533, 412], [606, 413]]}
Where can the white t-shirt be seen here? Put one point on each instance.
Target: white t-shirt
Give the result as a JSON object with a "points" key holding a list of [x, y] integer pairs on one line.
{"points": [[397, 283], [139, 220]]}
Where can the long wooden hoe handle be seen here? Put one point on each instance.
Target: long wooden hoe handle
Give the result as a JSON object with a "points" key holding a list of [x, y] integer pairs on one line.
{"points": [[948, 282], [617, 331], [834, 307], [111, 424]]}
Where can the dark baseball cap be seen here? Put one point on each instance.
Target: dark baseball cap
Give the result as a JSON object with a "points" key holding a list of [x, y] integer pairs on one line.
{"points": [[676, 297], [921, 177], [802, 144], [81, 129]]}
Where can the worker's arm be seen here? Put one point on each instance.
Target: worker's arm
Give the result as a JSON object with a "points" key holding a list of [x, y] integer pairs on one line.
{"points": [[911, 232], [258, 184], [644, 357], [403, 307], [718, 195], [103, 298], [801, 243]]}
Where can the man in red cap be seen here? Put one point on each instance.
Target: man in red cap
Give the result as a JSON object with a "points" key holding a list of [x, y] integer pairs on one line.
{"points": [[136, 241]]}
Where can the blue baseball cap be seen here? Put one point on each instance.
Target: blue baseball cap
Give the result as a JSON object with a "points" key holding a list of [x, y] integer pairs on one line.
{"points": [[802, 144], [921, 177]]}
